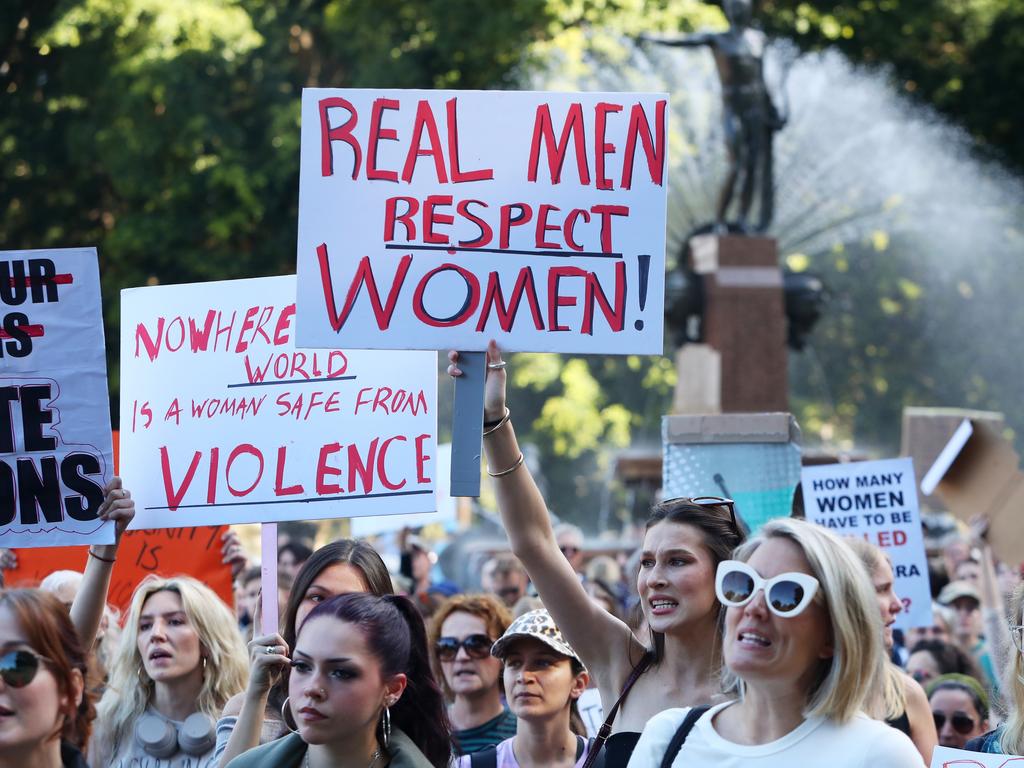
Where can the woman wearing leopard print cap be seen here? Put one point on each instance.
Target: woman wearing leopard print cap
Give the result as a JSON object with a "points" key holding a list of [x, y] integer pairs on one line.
{"points": [[543, 680]]}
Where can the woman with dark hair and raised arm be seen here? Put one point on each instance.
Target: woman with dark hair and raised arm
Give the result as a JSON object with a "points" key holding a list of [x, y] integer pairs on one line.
{"points": [[683, 544], [254, 716], [361, 693]]}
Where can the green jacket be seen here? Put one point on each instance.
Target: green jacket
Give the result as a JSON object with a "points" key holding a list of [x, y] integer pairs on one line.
{"points": [[290, 752]]}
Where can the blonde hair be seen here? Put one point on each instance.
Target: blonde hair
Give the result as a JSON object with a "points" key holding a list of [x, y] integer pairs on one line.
{"points": [[891, 699], [130, 690], [1011, 741], [857, 666]]}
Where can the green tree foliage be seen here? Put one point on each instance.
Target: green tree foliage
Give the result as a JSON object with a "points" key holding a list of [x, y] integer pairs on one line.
{"points": [[166, 132], [966, 57]]}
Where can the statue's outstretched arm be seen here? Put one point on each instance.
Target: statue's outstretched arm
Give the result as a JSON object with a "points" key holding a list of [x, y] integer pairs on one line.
{"points": [[679, 41]]}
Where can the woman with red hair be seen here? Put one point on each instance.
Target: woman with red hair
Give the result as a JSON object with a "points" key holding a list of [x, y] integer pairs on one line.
{"points": [[45, 708]]}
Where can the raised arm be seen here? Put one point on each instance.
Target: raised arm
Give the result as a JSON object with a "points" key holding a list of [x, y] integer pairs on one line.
{"points": [[599, 638], [91, 599], [993, 611]]}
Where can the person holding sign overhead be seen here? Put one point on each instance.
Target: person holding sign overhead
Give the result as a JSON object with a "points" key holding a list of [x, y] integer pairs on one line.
{"points": [[901, 702], [803, 647], [180, 659], [684, 542]]}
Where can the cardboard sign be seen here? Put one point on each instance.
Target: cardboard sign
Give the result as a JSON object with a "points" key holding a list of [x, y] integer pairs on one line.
{"points": [[979, 472], [180, 551], [55, 452], [947, 757], [223, 421], [877, 500], [751, 458], [442, 219]]}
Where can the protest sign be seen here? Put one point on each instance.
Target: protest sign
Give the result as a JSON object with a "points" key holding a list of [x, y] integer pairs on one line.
{"points": [[442, 219], [55, 415], [192, 552], [223, 421], [877, 501], [947, 757]]}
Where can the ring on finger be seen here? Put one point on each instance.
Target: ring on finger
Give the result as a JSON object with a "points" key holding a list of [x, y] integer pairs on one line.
{"points": [[272, 649], [496, 366]]}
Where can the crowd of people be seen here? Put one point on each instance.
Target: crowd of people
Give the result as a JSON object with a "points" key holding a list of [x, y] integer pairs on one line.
{"points": [[711, 647]]}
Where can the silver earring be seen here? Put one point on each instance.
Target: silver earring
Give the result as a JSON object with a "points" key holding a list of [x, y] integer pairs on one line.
{"points": [[385, 725], [284, 715]]}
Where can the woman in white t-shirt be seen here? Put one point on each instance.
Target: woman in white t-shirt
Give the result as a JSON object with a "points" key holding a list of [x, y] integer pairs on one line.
{"points": [[802, 644]]}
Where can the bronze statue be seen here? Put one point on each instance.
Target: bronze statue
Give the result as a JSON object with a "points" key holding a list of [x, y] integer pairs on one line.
{"points": [[750, 118]]}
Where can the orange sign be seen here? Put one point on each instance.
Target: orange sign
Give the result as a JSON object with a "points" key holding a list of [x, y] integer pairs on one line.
{"points": [[167, 552]]}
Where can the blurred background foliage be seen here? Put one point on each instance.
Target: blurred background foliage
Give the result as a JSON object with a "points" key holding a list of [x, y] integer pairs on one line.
{"points": [[166, 133]]}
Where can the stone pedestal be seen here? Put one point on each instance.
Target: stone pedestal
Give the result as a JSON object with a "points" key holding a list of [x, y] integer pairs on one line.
{"points": [[743, 358]]}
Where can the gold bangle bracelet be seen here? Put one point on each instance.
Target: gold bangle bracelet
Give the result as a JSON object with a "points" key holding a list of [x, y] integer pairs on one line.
{"points": [[500, 423], [518, 463]]}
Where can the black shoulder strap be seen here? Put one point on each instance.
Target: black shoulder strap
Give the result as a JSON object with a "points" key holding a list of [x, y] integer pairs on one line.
{"points": [[606, 727], [485, 758], [680, 735], [598, 761]]}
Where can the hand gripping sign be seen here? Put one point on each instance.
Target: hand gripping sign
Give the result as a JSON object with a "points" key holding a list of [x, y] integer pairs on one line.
{"points": [[55, 447]]}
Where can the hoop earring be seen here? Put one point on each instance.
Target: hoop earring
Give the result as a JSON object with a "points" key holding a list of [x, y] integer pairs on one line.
{"points": [[284, 715], [385, 725], [144, 679]]}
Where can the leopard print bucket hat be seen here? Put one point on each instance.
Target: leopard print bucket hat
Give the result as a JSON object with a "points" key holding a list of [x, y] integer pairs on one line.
{"points": [[538, 625]]}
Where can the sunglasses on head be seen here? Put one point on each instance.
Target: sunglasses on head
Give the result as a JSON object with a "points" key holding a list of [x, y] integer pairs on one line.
{"points": [[713, 502], [786, 595], [18, 668], [962, 722], [477, 647]]}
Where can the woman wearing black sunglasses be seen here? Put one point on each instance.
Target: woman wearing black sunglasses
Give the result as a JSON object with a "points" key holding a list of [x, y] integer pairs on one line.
{"points": [[803, 646], [46, 710], [460, 637], [959, 708], [684, 541]]}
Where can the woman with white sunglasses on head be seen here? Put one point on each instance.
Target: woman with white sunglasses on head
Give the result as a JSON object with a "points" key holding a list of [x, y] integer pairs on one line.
{"points": [[803, 646]]}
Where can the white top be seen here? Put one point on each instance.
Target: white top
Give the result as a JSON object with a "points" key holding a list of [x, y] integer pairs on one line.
{"points": [[861, 743]]}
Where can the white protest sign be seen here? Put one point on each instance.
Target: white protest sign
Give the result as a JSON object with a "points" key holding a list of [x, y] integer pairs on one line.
{"points": [[442, 219], [876, 501], [223, 421], [947, 757], [55, 442]]}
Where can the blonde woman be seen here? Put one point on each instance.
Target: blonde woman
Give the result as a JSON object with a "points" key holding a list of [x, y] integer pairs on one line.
{"points": [[802, 643], [180, 659], [901, 701], [1008, 739]]}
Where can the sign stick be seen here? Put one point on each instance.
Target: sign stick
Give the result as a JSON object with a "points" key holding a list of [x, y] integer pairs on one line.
{"points": [[467, 424], [268, 545]]}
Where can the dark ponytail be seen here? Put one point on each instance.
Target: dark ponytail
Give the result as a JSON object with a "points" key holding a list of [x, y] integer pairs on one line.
{"points": [[396, 635], [421, 712]]}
